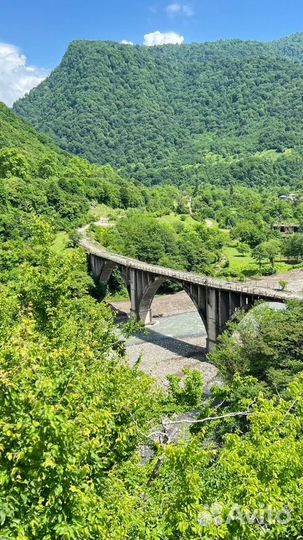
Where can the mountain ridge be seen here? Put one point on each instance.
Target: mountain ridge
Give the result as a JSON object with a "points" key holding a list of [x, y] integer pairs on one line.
{"points": [[171, 105]]}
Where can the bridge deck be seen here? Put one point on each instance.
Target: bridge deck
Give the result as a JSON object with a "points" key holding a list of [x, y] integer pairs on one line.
{"points": [[188, 277]]}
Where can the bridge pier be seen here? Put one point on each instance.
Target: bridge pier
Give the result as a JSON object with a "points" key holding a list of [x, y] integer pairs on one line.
{"points": [[140, 310], [216, 301], [214, 309], [211, 318], [143, 287], [221, 307], [143, 316], [101, 269]]}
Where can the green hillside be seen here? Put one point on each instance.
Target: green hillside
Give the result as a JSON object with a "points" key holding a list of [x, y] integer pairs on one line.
{"points": [[36, 176], [15, 132], [146, 110]]}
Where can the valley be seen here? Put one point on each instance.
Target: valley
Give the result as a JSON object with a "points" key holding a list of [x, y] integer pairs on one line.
{"points": [[151, 290]]}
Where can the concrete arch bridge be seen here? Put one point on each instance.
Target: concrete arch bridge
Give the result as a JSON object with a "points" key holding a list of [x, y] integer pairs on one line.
{"points": [[215, 300]]}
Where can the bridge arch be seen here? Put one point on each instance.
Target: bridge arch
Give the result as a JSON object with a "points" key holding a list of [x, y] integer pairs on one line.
{"points": [[215, 300], [143, 307], [102, 270]]}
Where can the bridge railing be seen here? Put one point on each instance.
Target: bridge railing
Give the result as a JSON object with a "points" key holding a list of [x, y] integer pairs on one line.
{"points": [[189, 277]]}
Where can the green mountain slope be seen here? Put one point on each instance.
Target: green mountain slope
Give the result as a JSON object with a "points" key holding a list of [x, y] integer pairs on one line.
{"points": [[37, 176], [15, 132], [171, 105], [290, 46]]}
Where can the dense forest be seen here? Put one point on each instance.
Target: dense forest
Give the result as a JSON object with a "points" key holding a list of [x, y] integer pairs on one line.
{"points": [[86, 451], [36, 176], [39, 177], [178, 114]]}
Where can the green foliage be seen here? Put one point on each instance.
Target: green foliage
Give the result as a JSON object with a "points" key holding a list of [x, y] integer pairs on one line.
{"points": [[283, 284], [68, 406], [268, 250], [243, 248], [226, 399], [35, 175], [209, 119], [221, 493], [15, 133], [293, 246], [249, 233], [13, 163], [267, 344], [140, 235], [291, 46], [188, 391], [73, 414]]}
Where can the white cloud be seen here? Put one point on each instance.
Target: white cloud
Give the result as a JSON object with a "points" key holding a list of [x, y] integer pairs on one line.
{"points": [[176, 8], [16, 76], [162, 38], [125, 42]]}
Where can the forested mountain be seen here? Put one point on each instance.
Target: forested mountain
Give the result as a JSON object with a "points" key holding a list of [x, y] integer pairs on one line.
{"points": [[150, 109], [291, 46], [15, 132], [37, 176]]}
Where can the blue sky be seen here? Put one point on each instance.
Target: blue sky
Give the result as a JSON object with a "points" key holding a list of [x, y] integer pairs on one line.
{"points": [[42, 29]]}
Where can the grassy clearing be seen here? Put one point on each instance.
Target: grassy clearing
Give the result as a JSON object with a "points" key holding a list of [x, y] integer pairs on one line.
{"points": [[119, 296], [176, 219], [102, 211], [61, 242], [283, 266], [245, 264], [239, 263]]}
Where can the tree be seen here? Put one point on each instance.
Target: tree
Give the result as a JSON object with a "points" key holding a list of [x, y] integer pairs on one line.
{"points": [[13, 163], [266, 345], [49, 166], [248, 233], [293, 246], [67, 419], [243, 248], [267, 251], [246, 488]]}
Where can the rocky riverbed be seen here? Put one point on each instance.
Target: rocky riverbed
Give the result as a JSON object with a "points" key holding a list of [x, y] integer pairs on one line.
{"points": [[177, 340]]}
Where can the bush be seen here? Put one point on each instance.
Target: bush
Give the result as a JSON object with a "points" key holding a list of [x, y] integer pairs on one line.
{"points": [[265, 344], [186, 392], [268, 271]]}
